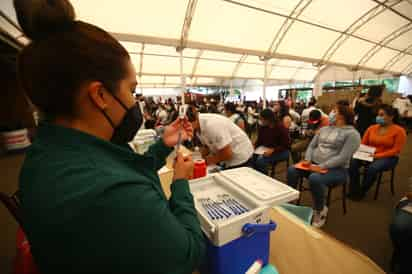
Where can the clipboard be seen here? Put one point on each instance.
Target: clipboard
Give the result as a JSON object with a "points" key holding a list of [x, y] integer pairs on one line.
{"points": [[307, 168]]}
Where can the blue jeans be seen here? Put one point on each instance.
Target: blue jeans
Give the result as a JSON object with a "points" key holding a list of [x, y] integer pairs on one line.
{"points": [[317, 182], [401, 235], [260, 162], [371, 175]]}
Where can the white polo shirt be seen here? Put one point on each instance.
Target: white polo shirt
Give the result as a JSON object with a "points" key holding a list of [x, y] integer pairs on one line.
{"points": [[218, 131]]}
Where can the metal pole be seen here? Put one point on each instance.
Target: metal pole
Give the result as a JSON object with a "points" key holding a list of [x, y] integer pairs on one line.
{"points": [[182, 78], [353, 77], [140, 83], [231, 88], [264, 83]]}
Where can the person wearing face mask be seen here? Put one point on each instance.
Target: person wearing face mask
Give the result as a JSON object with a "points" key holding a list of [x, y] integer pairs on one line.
{"points": [[89, 203], [172, 113], [327, 157], [161, 115], [332, 114], [388, 138], [274, 137]]}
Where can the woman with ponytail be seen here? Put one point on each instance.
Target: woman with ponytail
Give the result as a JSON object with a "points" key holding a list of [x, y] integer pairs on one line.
{"points": [[89, 203]]}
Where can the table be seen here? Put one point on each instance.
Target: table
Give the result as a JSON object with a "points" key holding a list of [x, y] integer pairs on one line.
{"points": [[299, 249]]}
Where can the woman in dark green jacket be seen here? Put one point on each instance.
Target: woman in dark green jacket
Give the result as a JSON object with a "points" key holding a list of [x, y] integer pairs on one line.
{"points": [[89, 203]]}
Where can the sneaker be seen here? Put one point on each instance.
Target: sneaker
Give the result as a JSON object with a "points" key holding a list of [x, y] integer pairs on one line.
{"points": [[319, 217]]}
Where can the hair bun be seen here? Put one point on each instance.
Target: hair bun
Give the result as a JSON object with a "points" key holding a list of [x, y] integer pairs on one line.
{"points": [[40, 18]]}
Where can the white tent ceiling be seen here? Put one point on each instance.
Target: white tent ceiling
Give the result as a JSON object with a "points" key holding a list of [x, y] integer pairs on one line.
{"points": [[223, 39]]}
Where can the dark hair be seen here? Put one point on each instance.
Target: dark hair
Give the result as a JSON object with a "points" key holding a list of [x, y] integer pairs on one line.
{"points": [[347, 114], [343, 102], [315, 115], [230, 107], [312, 102], [212, 109], [284, 109], [268, 115], [192, 113], [150, 124], [391, 111], [64, 55], [375, 91]]}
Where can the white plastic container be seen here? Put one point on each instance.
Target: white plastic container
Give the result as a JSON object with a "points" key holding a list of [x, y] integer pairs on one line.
{"points": [[253, 190], [15, 139]]}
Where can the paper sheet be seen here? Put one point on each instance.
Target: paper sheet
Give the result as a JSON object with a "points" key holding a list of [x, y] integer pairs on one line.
{"points": [[365, 153], [307, 168], [368, 149]]}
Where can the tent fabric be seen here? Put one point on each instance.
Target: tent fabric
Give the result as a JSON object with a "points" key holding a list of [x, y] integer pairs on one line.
{"points": [[228, 39]]}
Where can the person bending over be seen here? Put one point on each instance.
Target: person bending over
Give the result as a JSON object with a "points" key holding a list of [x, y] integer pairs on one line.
{"points": [[89, 203], [388, 138], [329, 152], [274, 137], [226, 143]]}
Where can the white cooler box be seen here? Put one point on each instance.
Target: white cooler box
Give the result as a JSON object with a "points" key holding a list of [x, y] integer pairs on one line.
{"points": [[233, 209]]}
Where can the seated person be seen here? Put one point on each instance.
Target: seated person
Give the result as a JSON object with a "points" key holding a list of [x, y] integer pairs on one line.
{"points": [[234, 116], [90, 204], [161, 115], [315, 123], [281, 111], [331, 151], [273, 136], [400, 231], [306, 112], [294, 114], [317, 120], [332, 113], [227, 143], [388, 138]]}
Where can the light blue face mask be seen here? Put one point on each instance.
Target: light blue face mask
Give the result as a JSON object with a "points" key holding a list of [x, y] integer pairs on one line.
{"points": [[332, 118], [380, 121]]}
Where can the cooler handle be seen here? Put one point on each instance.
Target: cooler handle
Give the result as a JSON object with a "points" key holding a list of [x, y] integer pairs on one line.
{"points": [[249, 229]]}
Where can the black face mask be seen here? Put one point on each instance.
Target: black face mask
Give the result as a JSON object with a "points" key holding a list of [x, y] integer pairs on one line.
{"points": [[128, 127]]}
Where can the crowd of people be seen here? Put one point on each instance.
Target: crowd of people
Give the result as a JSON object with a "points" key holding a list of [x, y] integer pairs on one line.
{"points": [[90, 204], [324, 143], [258, 137]]}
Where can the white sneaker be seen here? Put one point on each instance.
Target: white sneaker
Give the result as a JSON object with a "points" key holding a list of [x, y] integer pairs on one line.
{"points": [[319, 217]]}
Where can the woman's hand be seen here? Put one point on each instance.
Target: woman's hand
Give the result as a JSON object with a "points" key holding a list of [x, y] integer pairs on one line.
{"points": [[183, 167], [317, 169], [171, 132], [306, 163], [268, 152]]}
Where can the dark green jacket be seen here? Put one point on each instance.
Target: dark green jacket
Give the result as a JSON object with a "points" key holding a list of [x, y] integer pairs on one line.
{"points": [[90, 206]]}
